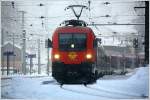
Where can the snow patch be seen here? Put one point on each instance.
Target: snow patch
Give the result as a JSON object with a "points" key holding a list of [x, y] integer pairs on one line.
{"points": [[26, 87], [141, 74]]}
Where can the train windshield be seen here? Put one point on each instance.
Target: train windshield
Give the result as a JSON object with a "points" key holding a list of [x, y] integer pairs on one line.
{"points": [[72, 42]]}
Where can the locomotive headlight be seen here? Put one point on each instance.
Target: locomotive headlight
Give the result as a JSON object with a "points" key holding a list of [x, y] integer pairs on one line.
{"points": [[72, 45], [56, 56], [88, 56]]}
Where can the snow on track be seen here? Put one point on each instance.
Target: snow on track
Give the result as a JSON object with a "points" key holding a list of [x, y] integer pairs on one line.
{"points": [[134, 87]]}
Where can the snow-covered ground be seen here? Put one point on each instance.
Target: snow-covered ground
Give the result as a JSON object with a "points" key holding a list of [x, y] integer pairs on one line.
{"points": [[134, 85]]}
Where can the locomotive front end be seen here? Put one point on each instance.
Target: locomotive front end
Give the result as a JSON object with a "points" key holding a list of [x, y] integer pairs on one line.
{"points": [[73, 54]]}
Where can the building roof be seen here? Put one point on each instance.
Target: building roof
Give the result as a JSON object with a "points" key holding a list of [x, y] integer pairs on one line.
{"points": [[16, 46]]}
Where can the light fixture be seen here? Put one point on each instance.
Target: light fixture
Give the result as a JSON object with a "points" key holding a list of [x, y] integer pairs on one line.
{"points": [[56, 56], [88, 56], [72, 45]]}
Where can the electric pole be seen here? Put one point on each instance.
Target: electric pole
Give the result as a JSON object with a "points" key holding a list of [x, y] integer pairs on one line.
{"points": [[89, 7], [146, 42], [13, 51], [47, 46], [23, 44], [147, 32], [39, 58], [2, 57], [89, 2], [47, 61]]}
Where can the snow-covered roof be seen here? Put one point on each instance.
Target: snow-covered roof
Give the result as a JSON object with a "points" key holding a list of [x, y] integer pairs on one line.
{"points": [[15, 45], [8, 42]]}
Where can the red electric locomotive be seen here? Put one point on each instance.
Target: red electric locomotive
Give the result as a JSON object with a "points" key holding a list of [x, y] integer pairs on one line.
{"points": [[74, 52]]}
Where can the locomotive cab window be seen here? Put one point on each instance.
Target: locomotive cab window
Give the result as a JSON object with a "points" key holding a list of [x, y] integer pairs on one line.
{"points": [[72, 41]]}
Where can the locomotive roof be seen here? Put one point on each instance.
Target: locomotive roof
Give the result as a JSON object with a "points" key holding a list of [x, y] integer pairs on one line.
{"points": [[74, 26], [68, 29], [74, 23]]}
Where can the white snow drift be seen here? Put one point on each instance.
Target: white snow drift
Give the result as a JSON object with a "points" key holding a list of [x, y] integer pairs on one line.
{"points": [[127, 87]]}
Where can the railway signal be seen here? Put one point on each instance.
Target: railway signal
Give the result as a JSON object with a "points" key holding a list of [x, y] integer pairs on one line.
{"points": [[135, 43], [13, 4], [48, 43], [99, 40]]}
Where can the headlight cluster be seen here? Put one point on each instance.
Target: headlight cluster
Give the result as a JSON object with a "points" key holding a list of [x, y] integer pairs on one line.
{"points": [[56, 56], [88, 56]]}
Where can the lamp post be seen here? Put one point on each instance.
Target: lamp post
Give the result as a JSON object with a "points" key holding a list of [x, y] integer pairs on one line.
{"points": [[24, 44], [146, 43]]}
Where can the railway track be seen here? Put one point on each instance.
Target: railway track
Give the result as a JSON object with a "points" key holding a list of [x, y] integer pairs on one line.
{"points": [[99, 92]]}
